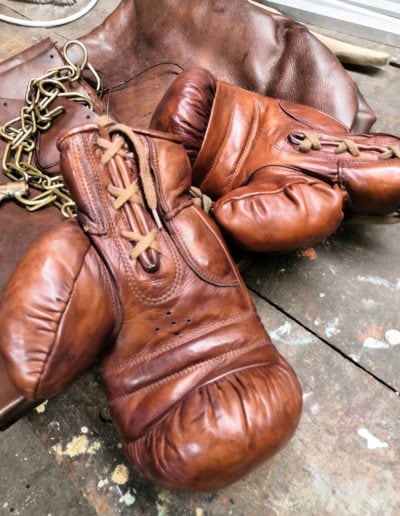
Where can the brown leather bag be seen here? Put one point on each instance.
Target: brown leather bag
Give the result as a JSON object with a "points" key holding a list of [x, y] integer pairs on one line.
{"points": [[238, 42]]}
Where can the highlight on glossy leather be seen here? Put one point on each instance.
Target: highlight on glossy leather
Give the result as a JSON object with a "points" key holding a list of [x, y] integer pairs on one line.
{"points": [[282, 175], [56, 312], [198, 392]]}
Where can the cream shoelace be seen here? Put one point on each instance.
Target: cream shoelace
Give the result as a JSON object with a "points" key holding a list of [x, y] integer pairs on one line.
{"points": [[312, 141], [131, 193]]}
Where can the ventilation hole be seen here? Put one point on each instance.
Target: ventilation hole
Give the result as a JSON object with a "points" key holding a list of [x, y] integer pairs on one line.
{"points": [[168, 314], [188, 321], [173, 323], [51, 56], [177, 333], [87, 117], [5, 104], [157, 329]]}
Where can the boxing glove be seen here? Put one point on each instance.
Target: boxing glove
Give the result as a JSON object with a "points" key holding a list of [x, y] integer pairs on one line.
{"points": [[282, 175], [57, 312], [196, 389]]}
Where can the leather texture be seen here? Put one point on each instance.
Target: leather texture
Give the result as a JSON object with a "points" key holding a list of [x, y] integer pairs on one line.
{"points": [[56, 313], [283, 175], [19, 227], [143, 45], [198, 392]]}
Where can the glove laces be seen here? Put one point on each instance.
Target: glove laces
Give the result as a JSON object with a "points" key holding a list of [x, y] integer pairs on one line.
{"points": [[131, 194], [201, 199], [311, 141]]}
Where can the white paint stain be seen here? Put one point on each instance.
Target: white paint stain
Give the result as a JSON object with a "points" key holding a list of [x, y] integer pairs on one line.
{"points": [[372, 343], [284, 334], [380, 282], [127, 498], [321, 294], [393, 337], [373, 442], [315, 409], [102, 483], [164, 501], [84, 430], [368, 304], [332, 328], [42, 407], [354, 357], [307, 395]]}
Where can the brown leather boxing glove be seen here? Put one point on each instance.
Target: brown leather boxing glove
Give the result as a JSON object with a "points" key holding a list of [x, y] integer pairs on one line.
{"points": [[283, 175], [57, 312], [196, 389]]}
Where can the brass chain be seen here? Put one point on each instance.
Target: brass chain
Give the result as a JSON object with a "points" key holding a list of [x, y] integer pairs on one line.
{"points": [[36, 116]]}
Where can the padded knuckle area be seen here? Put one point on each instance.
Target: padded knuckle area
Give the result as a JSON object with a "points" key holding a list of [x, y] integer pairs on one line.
{"points": [[221, 429]]}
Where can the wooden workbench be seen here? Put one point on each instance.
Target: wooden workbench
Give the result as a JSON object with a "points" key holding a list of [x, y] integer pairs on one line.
{"points": [[333, 312]]}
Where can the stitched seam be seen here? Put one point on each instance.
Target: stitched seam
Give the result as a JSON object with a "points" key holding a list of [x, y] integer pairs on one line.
{"points": [[62, 315], [170, 291], [167, 347], [216, 159], [201, 365], [198, 270], [249, 143]]}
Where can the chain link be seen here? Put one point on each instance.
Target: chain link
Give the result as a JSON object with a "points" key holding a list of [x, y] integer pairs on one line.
{"points": [[37, 115]]}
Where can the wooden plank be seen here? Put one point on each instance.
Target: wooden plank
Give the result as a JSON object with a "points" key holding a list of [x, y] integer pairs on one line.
{"points": [[344, 457], [30, 483], [345, 290]]}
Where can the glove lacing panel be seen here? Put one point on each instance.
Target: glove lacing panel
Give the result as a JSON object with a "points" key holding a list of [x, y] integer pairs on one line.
{"points": [[131, 193], [312, 141]]}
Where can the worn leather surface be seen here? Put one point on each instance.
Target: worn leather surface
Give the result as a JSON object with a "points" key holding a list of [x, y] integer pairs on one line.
{"points": [[240, 43], [198, 392], [56, 312], [246, 155], [19, 227]]}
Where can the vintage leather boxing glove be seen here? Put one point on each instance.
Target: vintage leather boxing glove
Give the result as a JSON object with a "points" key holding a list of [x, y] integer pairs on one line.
{"points": [[57, 312], [196, 389], [283, 175]]}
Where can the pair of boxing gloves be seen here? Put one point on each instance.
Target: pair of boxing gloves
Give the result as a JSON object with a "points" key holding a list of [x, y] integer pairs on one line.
{"points": [[197, 402]]}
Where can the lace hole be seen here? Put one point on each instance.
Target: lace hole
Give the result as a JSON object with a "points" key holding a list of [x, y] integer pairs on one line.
{"points": [[188, 321], [296, 138], [168, 314], [173, 323], [157, 329]]}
